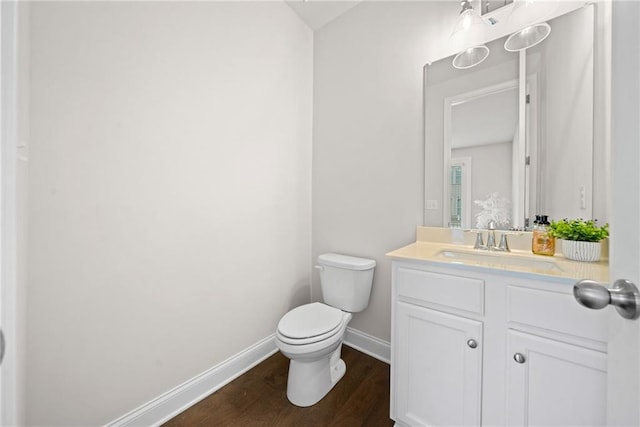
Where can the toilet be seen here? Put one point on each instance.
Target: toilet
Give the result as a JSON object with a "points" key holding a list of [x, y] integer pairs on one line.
{"points": [[311, 335]]}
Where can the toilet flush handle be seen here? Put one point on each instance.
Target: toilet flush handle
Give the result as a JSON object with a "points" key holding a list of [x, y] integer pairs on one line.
{"points": [[319, 267]]}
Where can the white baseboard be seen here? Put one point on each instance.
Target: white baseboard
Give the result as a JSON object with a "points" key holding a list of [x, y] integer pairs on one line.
{"points": [[187, 394], [368, 344]]}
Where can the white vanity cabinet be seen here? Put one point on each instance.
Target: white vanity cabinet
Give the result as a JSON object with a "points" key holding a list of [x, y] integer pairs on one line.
{"points": [[437, 353], [437, 387], [476, 346], [554, 383], [557, 366]]}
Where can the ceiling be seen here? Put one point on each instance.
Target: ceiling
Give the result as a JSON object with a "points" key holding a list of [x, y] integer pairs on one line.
{"points": [[318, 13]]}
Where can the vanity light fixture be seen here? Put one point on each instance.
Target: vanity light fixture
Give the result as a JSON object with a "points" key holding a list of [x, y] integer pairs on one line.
{"points": [[470, 57], [527, 37], [463, 35]]}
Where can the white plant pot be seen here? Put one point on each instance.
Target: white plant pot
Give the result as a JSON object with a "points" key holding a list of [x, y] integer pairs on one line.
{"points": [[581, 251]]}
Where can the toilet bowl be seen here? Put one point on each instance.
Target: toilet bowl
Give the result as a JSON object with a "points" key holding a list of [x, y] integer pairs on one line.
{"points": [[315, 365], [311, 335]]}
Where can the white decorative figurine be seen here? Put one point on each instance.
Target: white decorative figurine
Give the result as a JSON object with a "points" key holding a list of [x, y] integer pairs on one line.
{"points": [[494, 208]]}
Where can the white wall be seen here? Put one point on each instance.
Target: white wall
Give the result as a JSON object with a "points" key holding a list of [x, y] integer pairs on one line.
{"points": [[368, 136], [170, 193]]}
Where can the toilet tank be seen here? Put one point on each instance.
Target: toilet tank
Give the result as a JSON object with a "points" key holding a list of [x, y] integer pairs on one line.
{"points": [[346, 281]]}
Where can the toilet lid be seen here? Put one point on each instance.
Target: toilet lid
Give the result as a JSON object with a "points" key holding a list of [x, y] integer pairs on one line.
{"points": [[310, 320]]}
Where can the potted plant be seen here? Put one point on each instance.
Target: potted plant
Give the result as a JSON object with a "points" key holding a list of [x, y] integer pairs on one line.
{"points": [[581, 238]]}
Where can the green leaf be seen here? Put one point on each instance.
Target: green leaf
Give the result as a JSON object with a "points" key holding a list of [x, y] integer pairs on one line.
{"points": [[578, 229]]}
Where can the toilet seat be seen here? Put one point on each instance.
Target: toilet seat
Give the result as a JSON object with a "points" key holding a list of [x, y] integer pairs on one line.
{"points": [[310, 323]]}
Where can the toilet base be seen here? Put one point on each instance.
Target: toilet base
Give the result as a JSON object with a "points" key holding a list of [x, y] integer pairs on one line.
{"points": [[309, 381]]}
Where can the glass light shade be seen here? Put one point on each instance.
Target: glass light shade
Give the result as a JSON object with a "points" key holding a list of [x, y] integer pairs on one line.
{"points": [[465, 30], [470, 57], [467, 19], [527, 37]]}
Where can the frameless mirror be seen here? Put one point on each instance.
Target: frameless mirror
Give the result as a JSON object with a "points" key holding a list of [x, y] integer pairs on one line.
{"points": [[530, 146]]}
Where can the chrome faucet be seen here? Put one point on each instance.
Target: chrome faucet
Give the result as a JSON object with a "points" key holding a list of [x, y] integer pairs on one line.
{"points": [[491, 236], [503, 246]]}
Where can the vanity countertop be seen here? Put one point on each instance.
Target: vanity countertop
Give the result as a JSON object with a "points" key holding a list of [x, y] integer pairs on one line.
{"points": [[517, 261]]}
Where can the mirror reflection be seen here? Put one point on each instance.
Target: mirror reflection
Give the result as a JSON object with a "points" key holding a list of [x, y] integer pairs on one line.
{"points": [[530, 146], [483, 131]]}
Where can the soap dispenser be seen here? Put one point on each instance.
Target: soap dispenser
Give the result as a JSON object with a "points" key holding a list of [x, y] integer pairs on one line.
{"points": [[542, 243]]}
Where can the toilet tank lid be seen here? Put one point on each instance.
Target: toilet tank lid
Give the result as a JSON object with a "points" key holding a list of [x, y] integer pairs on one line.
{"points": [[346, 261]]}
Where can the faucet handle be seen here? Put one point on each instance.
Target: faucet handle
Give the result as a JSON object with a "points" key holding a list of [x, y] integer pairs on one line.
{"points": [[479, 242], [504, 245]]}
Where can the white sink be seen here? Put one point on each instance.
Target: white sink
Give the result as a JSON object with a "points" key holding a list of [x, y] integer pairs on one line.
{"points": [[499, 259]]}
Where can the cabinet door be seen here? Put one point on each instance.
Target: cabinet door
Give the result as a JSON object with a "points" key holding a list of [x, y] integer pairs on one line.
{"points": [[554, 384], [437, 374]]}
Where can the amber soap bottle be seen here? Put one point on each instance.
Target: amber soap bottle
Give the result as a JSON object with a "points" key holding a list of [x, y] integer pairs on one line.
{"points": [[542, 243]]}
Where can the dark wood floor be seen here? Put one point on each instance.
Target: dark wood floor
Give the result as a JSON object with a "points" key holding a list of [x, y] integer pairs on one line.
{"points": [[258, 398]]}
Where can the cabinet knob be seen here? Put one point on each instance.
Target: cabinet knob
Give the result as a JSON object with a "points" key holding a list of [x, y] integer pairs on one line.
{"points": [[519, 358], [472, 343]]}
